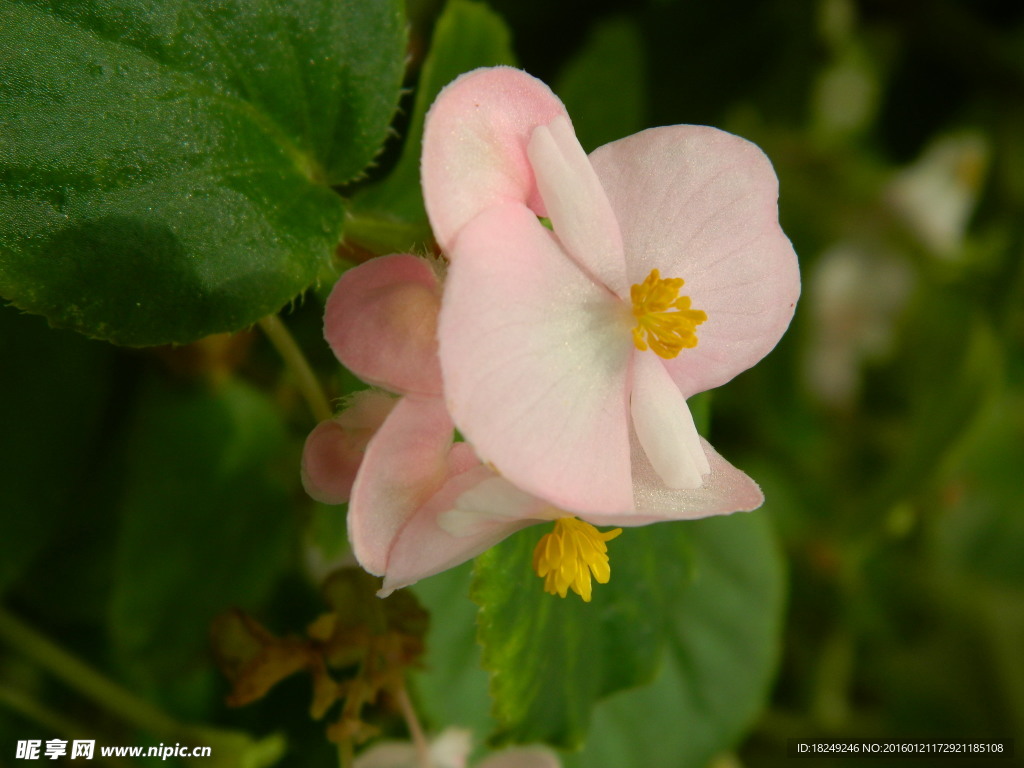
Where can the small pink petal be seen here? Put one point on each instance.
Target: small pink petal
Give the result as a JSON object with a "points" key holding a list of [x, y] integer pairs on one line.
{"points": [[701, 204], [576, 203], [381, 322], [334, 449], [522, 757], [388, 754], [725, 490], [426, 545], [474, 146], [664, 425], [404, 465], [535, 357]]}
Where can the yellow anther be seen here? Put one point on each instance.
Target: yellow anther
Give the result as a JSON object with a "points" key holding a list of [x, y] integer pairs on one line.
{"points": [[664, 321], [566, 557]]}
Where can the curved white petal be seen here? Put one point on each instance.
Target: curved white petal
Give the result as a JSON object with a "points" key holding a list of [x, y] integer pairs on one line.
{"points": [[493, 500], [664, 425], [576, 203]]}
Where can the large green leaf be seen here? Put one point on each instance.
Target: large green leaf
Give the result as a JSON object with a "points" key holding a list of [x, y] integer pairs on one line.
{"points": [[551, 659], [723, 645], [390, 215], [453, 683], [165, 164], [207, 525]]}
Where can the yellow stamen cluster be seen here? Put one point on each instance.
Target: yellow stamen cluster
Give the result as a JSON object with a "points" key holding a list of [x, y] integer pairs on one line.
{"points": [[566, 557], [664, 321]]}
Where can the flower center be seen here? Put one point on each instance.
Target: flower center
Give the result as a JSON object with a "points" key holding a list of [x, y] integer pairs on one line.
{"points": [[566, 557], [664, 321]]}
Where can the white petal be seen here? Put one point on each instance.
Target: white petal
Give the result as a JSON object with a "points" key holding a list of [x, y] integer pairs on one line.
{"points": [[664, 425], [494, 500], [451, 748], [576, 203]]}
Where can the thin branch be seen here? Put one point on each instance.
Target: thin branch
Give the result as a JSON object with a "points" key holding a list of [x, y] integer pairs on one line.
{"points": [[86, 680], [415, 730], [296, 362]]}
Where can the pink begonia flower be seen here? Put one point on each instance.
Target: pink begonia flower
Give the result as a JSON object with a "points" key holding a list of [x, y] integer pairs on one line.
{"points": [[380, 322], [420, 503], [451, 750], [568, 355], [386, 456]]}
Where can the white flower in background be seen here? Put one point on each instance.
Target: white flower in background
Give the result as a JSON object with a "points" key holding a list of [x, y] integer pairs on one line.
{"points": [[938, 192], [855, 294], [451, 750]]}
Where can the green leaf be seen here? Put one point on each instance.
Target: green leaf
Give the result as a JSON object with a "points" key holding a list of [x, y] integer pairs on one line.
{"points": [[390, 215], [166, 164], [604, 86], [724, 632], [453, 683], [52, 391], [550, 659], [207, 525]]}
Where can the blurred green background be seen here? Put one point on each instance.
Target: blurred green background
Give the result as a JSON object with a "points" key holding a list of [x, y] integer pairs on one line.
{"points": [[143, 492]]}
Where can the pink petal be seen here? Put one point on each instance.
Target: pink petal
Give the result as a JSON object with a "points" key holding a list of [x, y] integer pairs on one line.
{"points": [[725, 490], [388, 754], [664, 425], [405, 464], [701, 204], [334, 449], [493, 499], [576, 203], [430, 543], [474, 146], [381, 322], [535, 357], [522, 757]]}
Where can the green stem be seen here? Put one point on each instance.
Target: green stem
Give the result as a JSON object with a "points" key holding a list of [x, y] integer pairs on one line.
{"points": [[86, 680], [30, 709], [18, 702], [1005, 632], [830, 704], [296, 362], [346, 754]]}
